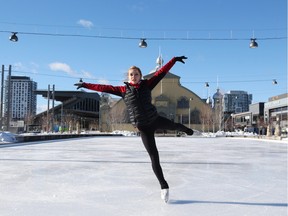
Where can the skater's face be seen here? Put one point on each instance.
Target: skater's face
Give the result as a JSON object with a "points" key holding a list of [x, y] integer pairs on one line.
{"points": [[134, 75]]}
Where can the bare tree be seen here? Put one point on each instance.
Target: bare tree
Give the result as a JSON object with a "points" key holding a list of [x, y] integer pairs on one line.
{"points": [[206, 117], [118, 115], [261, 125], [28, 120]]}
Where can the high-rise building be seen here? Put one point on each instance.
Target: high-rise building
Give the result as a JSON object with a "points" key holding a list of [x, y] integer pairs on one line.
{"points": [[21, 98], [236, 101]]}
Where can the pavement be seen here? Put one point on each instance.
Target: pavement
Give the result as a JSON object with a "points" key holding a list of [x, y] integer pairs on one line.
{"points": [[113, 176]]}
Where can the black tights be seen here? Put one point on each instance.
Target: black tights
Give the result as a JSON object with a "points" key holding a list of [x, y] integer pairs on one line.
{"points": [[148, 139]]}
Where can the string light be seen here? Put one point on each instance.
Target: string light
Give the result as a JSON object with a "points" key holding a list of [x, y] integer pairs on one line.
{"points": [[207, 84], [142, 43], [253, 43], [137, 38], [13, 37]]}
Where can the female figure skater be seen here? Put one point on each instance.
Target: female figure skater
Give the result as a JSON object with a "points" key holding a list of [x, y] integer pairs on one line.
{"points": [[143, 114]]}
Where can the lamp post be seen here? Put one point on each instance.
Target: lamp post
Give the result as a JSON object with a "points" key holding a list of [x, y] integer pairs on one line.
{"points": [[48, 108], [8, 103], [9, 100], [2, 94], [189, 114], [61, 118], [53, 104]]}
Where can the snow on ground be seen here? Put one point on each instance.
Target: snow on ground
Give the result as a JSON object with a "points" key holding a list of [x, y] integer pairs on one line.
{"points": [[7, 137], [113, 176]]}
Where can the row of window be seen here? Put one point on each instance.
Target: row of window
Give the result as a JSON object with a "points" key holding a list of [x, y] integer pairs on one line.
{"points": [[88, 104], [183, 103]]}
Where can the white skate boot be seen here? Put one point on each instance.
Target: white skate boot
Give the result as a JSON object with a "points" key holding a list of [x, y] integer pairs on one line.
{"points": [[165, 195]]}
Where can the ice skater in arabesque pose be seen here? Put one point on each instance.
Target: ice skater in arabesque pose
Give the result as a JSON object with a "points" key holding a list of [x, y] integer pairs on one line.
{"points": [[136, 94]]}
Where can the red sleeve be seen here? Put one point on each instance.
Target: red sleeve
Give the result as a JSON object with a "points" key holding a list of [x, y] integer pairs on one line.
{"points": [[116, 90], [153, 81]]}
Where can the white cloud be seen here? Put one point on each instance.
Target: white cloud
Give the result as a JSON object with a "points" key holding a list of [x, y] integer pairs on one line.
{"points": [[85, 23], [58, 66], [86, 74], [103, 81], [32, 67], [19, 66], [63, 67]]}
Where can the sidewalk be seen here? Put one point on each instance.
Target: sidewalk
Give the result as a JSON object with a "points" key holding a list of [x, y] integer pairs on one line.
{"points": [[113, 176]]}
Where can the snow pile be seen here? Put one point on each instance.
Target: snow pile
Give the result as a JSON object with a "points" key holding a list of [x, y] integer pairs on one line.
{"points": [[125, 133], [229, 134], [7, 137], [241, 133], [199, 134]]}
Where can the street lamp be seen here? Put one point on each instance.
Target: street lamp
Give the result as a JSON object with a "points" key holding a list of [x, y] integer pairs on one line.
{"points": [[142, 43], [208, 101], [253, 43], [13, 37], [189, 114]]}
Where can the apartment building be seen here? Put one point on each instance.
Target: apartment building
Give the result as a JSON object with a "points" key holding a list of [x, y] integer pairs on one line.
{"points": [[20, 101]]}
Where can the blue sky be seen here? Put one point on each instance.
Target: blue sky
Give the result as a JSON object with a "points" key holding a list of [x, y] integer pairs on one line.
{"points": [[99, 42]]}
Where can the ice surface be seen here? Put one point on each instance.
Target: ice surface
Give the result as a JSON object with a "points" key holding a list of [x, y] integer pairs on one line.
{"points": [[113, 176]]}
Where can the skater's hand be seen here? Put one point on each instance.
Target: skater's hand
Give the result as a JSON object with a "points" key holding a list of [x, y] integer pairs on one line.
{"points": [[181, 59], [79, 84]]}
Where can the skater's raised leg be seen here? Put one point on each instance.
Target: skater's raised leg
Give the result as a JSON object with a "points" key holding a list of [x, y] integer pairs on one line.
{"points": [[164, 123]]}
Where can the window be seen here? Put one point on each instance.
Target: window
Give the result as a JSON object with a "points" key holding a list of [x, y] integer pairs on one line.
{"points": [[183, 103]]}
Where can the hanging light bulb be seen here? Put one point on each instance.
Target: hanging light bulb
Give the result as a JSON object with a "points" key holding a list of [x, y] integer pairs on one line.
{"points": [[274, 82], [13, 37], [253, 43], [142, 43], [206, 84]]}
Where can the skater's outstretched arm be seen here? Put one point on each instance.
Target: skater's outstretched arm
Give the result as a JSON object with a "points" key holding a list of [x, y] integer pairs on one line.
{"points": [[116, 90], [153, 81]]}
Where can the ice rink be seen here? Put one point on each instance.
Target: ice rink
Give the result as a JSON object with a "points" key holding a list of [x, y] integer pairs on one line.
{"points": [[108, 176]]}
